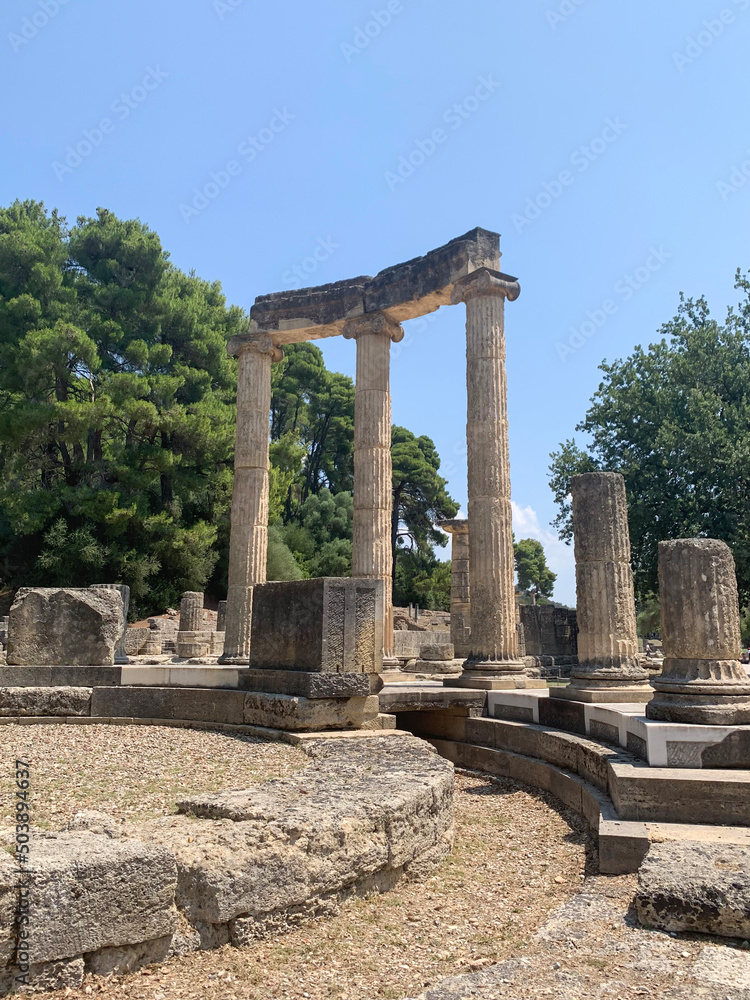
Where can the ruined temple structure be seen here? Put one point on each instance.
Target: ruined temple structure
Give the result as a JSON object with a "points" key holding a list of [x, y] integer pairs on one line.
{"points": [[370, 312]]}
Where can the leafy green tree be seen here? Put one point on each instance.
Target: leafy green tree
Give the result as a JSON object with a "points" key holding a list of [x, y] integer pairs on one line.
{"points": [[674, 419], [420, 497], [423, 580], [649, 616], [313, 409], [535, 578], [116, 409], [321, 537], [281, 564]]}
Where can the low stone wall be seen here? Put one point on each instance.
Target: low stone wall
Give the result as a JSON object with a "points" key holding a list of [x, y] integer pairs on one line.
{"points": [[408, 645], [230, 867]]}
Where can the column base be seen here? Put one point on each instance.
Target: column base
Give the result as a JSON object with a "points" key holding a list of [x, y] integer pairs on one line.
{"points": [[234, 661], [609, 694], [511, 677], [697, 710], [391, 663]]}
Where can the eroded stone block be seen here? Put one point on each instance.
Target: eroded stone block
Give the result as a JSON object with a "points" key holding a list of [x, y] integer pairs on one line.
{"points": [[64, 627]]}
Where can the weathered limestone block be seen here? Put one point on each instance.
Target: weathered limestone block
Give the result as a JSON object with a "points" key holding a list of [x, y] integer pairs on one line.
{"points": [[61, 627], [124, 592], [696, 888], [191, 612], [702, 681], [296, 713], [91, 892], [8, 906], [608, 667], [437, 653], [43, 701], [136, 640], [365, 806], [194, 645], [320, 626]]}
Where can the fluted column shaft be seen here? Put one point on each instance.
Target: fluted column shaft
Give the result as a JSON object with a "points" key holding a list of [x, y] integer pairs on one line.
{"points": [[608, 669], [703, 681], [191, 611], [248, 546], [372, 556], [494, 639], [460, 586], [607, 632]]}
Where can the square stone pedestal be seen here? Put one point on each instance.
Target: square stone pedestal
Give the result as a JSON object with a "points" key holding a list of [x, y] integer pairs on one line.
{"points": [[315, 655]]}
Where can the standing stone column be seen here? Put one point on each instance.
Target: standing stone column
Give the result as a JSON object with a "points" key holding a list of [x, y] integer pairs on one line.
{"points": [[608, 665], [191, 611], [221, 617], [493, 661], [703, 681], [460, 588], [248, 545], [124, 591], [372, 556]]}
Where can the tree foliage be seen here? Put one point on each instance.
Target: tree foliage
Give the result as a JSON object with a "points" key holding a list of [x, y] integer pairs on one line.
{"points": [[423, 580], [116, 408], [420, 496], [674, 419], [535, 579]]}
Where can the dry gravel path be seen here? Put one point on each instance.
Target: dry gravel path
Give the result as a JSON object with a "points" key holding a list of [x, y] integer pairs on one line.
{"points": [[131, 772], [516, 859]]}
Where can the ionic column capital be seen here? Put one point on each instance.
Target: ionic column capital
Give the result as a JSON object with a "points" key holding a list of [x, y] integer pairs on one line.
{"points": [[485, 282], [374, 323], [261, 343]]}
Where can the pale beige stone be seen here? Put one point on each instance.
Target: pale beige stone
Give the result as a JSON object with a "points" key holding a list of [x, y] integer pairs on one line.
{"points": [[494, 639], [609, 668], [703, 681], [249, 534], [372, 556]]}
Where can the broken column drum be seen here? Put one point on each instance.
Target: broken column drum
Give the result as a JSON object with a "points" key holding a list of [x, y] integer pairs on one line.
{"points": [[703, 681], [608, 669]]}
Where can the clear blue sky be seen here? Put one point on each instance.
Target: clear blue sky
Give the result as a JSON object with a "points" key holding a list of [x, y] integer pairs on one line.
{"points": [[315, 104]]}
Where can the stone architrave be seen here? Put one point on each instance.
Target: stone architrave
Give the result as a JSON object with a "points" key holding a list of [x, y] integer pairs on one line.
{"points": [[191, 611], [608, 667], [51, 627], [493, 661], [460, 588], [703, 681], [121, 655], [248, 546], [372, 556]]}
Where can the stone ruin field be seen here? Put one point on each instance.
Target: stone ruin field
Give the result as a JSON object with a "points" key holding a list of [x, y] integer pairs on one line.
{"points": [[313, 794]]}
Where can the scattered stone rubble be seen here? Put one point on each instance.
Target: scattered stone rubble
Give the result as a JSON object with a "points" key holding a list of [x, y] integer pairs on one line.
{"points": [[231, 867]]}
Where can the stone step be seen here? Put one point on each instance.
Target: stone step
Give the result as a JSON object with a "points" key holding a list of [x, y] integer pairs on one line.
{"points": [[169, 675]]}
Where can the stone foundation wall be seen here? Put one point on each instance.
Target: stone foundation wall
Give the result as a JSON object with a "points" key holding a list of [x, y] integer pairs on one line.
{"points": [[550, 631], [230, 867]]}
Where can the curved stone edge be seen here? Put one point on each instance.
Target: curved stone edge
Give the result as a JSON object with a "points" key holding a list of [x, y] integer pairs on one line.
{"points": [[365, 814]]}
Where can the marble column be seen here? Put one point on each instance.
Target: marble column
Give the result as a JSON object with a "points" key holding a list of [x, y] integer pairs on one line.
{"points": [[372, 556], [460, 587], [608, 661], [191, 611], [493, 661], [248, 546], [703, 681]]}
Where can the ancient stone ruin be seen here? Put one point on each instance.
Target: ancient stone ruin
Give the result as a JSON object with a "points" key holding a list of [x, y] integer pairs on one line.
{"points": [[657, 768]]}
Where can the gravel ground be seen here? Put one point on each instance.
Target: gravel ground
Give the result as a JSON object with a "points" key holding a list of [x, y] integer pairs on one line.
{"points": [[516, 859], [131, 772]]}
